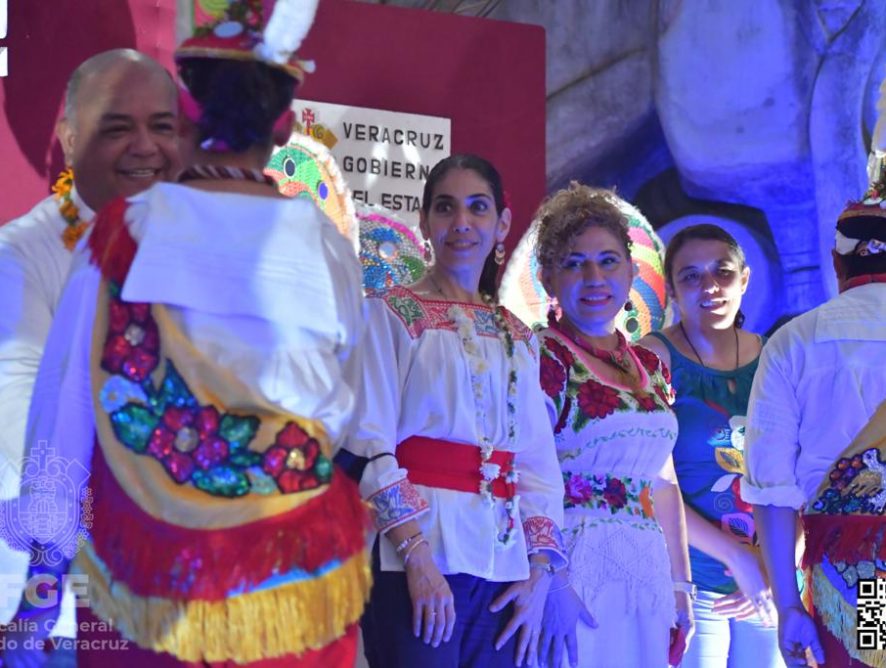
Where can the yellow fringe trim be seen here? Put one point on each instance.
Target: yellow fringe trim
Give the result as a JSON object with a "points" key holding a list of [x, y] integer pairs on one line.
{"points": [[840, 617], [289, 619]]}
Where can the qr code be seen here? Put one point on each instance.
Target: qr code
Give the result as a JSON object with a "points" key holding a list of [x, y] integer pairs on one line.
{"points": [[871, 622]]}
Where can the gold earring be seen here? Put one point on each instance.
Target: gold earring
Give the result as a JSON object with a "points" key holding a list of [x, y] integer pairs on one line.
{"points": [[499, 253]]}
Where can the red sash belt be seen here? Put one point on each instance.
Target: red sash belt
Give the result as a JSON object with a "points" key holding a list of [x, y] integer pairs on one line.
{"points": [[448, 465]]}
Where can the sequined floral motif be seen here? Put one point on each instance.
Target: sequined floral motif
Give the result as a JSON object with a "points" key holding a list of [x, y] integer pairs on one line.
{"points": [[857, 485], [606, 492], [133, 343], [195, 443], [295, 461]]}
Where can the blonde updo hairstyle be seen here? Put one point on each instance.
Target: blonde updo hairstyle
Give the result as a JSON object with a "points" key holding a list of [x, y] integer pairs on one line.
{"points": [[566, 214]]}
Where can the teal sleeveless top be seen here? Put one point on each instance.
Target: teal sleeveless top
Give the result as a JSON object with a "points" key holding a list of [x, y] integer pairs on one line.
{"points": [[709, 454]]}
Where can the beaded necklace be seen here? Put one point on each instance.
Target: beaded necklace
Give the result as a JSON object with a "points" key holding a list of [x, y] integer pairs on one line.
{"points": [[220, 173]]}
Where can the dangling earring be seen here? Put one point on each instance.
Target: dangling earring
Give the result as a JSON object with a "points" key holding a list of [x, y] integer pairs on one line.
{"points": [[629, 306], [499, 253], [429, 252]]}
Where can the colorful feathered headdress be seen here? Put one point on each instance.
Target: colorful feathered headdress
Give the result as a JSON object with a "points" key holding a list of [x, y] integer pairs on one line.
{"points": [[258, 30]]}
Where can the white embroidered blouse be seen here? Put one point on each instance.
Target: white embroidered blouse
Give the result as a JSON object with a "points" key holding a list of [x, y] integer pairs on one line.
{"points": [[417, 382]]}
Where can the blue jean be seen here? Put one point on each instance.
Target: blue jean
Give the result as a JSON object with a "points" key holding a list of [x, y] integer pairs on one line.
{"points": [[720, 642]]}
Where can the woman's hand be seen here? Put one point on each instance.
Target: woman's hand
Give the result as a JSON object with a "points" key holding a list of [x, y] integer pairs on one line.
{"points": [[744, 565], [563, 609], [433, 606], [685, 616], [797, 636], [528, 598]]}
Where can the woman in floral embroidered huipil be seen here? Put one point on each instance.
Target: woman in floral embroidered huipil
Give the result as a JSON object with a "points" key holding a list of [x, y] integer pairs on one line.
{"points": [[713, 362], [614, 430], [462, 472]]}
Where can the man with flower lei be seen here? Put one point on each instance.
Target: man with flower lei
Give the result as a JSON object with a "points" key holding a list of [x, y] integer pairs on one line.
{"points": [[119, 136], [458, 453], [816, 449]]}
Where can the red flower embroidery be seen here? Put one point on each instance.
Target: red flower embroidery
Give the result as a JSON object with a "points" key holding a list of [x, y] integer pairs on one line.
{"points": [[292, 458], [740, 504], [578, 489], [648, 359], [596, 400], [662, 393], [553, 376], [616, 494], [133, 343], [559, 351], [187, 439], [647, 402], [564, 414]]}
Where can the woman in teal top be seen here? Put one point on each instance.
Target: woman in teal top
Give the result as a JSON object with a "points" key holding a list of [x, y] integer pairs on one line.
{"points": [[712, 362]]}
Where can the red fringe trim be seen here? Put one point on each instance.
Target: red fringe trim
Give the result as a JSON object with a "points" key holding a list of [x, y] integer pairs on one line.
{"points": [[111, 246], [843, 538], [155, 558]]}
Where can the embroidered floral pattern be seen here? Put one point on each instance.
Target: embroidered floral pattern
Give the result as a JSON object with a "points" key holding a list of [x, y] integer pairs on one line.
{"points": [[553, 376], [542, 534], [608, 493], [857, 485], [420, 314], [395, 504], [407, 308], [570, 383], [195, 443], [561, 352], [597, 400]]}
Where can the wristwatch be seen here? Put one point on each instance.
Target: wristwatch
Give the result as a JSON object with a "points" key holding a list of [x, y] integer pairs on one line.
{"points": [[687, 587]]}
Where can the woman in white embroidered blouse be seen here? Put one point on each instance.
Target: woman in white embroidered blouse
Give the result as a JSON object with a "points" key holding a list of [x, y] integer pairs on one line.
{"points": [[614, 430], [462, 473]]}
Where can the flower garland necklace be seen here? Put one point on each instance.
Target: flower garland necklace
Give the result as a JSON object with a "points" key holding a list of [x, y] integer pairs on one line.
{"points": [[490, 471], [75, 227]]}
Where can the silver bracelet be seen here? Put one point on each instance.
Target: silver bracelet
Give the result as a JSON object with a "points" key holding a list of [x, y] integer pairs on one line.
{"points": [[560, 588], [412, 549]]}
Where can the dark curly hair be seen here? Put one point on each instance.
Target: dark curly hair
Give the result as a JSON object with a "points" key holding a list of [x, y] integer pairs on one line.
{"points": [[241, 100], [567, 213]]}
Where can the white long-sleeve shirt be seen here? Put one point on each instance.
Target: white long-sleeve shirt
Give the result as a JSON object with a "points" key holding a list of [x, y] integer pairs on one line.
{"points": [[417, 382], [34, 264], [820, 379]]}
